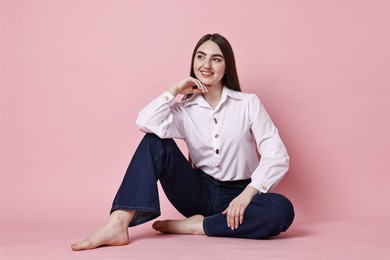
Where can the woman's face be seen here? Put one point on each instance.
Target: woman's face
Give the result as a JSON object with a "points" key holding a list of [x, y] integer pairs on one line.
{"points": [[209, 64]]}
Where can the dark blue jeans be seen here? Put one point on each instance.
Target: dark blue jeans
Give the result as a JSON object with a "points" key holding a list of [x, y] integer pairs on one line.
{"points": [[193, 192]]}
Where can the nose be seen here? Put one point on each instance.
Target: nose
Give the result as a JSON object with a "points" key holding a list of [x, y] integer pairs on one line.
{"points": [[207, 63]]}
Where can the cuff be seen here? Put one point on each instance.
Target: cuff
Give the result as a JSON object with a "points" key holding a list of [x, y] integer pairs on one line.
{"points": [[167, 97], [263, 188]]}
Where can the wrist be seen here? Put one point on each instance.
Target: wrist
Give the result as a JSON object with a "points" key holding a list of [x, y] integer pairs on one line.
{"points": [[250, 191], [173, 90]]}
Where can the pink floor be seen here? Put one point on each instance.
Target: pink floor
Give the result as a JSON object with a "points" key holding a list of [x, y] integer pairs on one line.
{"points": [[317, 241]]}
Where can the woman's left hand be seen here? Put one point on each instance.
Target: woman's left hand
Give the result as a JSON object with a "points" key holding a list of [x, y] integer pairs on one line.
{"points": [[236, 209]]}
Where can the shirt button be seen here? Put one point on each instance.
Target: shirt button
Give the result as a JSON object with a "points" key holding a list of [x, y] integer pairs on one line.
{"points": [[217, 165], [216, 135], [166, 98], [217, 151], [215, 120]]}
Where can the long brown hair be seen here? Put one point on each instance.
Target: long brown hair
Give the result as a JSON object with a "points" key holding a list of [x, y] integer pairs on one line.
{"points": [[230, 79]]}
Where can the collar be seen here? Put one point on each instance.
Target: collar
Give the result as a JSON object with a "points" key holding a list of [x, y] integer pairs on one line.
{"points": [[198, 98]]}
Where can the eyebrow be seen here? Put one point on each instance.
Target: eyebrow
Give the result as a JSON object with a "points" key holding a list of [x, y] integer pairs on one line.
{"points": [[214, 55]]}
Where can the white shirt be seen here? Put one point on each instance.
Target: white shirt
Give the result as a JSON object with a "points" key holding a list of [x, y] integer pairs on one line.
{"points": [[222, 142]]}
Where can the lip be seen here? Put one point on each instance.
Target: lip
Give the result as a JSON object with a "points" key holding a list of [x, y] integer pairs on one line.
{"points": [[206, 73]]}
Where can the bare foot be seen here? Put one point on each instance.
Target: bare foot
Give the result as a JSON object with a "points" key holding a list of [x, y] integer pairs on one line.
{"points": [[192, 225], [113, 233]]}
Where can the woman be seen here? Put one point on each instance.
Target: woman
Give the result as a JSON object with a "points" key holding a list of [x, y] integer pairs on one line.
{"points": [[224, 190]]}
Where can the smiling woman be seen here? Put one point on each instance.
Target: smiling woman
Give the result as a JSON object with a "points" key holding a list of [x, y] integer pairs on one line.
{"points": [[223, 51], [225, 180], [209, 64]]}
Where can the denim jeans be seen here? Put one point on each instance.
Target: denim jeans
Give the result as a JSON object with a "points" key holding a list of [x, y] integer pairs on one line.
{"points": [[192, 192]]}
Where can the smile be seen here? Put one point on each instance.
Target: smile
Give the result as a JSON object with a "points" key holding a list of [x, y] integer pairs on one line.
{"points": [[206, 73]]}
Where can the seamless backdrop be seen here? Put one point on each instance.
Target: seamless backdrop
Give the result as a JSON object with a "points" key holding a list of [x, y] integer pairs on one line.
{"points": [[74, 75]]}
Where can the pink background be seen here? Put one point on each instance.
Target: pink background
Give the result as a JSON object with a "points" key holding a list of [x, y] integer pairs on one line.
{"points": [[74, 75]]}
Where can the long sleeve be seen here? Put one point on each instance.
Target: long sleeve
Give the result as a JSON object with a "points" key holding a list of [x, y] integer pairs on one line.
{"points": [[161, 117], [274, 162], [221, 140]]}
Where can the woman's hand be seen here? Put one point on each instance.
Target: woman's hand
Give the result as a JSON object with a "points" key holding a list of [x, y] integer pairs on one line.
{"points": [[188, 85], [236, 209]]}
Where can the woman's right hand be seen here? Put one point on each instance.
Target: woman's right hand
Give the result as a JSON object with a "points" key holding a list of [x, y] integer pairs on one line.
{"points": [[188, 85]]}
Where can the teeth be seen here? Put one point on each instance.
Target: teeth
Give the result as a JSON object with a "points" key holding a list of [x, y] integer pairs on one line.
{"points": [[206, 73]]}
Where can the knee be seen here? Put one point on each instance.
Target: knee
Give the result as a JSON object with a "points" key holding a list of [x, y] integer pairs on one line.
{"points": [[157, 145], [283, 202], [273, 213], [152, 140], [155, 139], [278, 208], [283, 210], [151, 137]]}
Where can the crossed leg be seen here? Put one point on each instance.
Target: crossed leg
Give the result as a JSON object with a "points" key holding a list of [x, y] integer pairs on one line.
{"points": [[191, 226]]}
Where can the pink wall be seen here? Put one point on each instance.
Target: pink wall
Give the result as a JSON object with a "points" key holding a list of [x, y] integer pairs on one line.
{"points": [[74, 74]]}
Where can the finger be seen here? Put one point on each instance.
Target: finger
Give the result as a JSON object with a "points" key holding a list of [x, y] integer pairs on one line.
{"points": [[232, 220], [228, 217], [242, 211], [195, 89], [236, 218], [188, 83], [201, 86], [204, 88]]}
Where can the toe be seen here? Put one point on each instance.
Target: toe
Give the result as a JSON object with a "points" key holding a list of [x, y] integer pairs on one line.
{"points": [[85, 244], [76, 247], [156, 225]]}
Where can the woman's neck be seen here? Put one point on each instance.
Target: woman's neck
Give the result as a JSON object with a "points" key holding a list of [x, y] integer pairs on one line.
{"points": [[213, 96]]}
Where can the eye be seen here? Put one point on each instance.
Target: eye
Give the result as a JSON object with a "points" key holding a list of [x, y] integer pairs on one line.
{"points": [[217, 60], [200, 57]]}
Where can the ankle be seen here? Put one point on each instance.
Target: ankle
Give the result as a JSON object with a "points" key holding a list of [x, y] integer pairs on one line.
{"points": [[122, 218]]}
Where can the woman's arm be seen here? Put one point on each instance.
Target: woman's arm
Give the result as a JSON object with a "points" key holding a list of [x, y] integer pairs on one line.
{"points": [[162, 115], [272, 167], [236, 209], [274, 161], [188, 85]]}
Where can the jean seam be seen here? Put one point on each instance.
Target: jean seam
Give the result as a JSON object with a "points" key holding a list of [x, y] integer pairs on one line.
{"points": [[204, 227], [155, 213], [118, 206]]}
